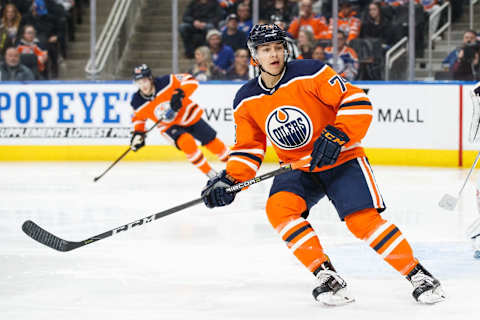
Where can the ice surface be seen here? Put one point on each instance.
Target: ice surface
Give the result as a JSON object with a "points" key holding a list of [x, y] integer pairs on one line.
{"points": [[225, 263]]}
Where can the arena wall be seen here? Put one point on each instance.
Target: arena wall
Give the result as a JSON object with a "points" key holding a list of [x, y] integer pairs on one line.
{"points": [[417, 123]]}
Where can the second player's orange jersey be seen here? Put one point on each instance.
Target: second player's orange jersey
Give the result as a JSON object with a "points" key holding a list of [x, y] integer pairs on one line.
{"points": [[292, 115], [153, 107]]}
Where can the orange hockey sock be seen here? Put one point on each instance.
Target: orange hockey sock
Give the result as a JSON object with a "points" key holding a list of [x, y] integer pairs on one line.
{"points": [[284, 210], [383, 237], [188, 145], [217, 147]]}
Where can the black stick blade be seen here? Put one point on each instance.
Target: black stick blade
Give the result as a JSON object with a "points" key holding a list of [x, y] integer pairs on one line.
{"points": [[41, 235]]}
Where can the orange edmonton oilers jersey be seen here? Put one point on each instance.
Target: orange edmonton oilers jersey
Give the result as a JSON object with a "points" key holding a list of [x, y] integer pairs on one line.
{"points": [[154, 106], [292, 115]]}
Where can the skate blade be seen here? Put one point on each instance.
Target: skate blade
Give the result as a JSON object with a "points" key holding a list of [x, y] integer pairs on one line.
{"points": [[333, 300], [448, 202]]}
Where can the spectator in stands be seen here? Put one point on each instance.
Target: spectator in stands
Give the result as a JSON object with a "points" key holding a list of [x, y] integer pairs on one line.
{"points": [[68, 7], [395, 3], [228, 6], [222, 55], [199, 17], [204, 69], [469, 38], [374, 25], [12, 70], [232, 36], [305, 43], [46, 19], [10, 22], [467, 66], [279, 8], [239, 70], [4, 41], [431, 6], [29, 44], [348, 23], [347, 66], [457, 9], [318, 52], [307, 19], [244, 18]]}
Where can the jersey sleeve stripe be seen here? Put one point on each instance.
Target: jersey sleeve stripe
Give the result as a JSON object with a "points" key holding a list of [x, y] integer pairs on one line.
{"points": [[354, 112], [192, 115], [248, 163], [356, 103], [194, 82], [353, 97], [248, 155], [188, 112], [353, 146]]}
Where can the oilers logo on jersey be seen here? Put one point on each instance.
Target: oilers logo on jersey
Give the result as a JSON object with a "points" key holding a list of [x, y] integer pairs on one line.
{"points": [[288, 127], [161, 109]]}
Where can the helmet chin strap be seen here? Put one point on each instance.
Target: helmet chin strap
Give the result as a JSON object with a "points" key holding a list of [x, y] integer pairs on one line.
{"points": [[273, 75]]}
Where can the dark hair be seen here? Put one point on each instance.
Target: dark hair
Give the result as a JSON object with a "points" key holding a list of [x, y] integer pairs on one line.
{"points": [[25, 27]]}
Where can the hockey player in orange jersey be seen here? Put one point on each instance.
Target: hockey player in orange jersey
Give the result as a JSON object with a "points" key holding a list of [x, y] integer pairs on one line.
{"points": [[307, 111], [169, 97]]}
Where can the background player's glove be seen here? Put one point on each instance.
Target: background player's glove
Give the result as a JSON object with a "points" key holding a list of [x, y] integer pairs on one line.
{"points": [[214, 193], [138, 140], [327, 147], [177, 99]]}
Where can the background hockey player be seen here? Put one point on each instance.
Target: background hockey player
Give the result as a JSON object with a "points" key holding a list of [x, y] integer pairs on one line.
{"points": [[169, 97], [473, 231], [308, 111]]}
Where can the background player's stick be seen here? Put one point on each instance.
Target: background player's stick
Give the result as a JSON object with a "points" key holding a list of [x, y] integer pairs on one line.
{"points": [[448, 201], [125, 153], [50, 240]]}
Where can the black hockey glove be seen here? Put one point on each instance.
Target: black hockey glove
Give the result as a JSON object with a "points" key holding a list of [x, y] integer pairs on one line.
{"points": [[327, 147], [177, 99], [214, 194], [137, 141]]}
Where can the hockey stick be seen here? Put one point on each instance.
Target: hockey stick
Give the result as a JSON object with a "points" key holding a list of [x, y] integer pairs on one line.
{"points": [[473, 230], [41, 235], [448, 201], [125, 153]]}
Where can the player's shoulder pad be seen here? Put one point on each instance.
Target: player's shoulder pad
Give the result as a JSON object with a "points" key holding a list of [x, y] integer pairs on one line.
{"points": [[161, 82], [137, 100], [249, 89], [302, 67]]}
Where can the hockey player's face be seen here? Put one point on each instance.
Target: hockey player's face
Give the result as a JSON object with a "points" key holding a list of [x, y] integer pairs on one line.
{"points": [[145, 85], [271, 56]]}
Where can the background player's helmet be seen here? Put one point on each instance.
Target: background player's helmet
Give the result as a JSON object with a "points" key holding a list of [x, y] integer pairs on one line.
{"points": [[265, 33], [142, 71]]}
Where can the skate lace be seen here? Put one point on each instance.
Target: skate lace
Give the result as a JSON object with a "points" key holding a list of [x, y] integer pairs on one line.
{"points": [[420, 279], [326, 275]]}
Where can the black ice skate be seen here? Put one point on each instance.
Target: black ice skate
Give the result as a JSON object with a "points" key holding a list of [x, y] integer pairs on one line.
{"points": [[332, 290], [426, 289]]}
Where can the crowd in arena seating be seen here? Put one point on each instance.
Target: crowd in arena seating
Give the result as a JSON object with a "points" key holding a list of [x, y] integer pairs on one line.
{"points": [[39, 31], [366, 30]]}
